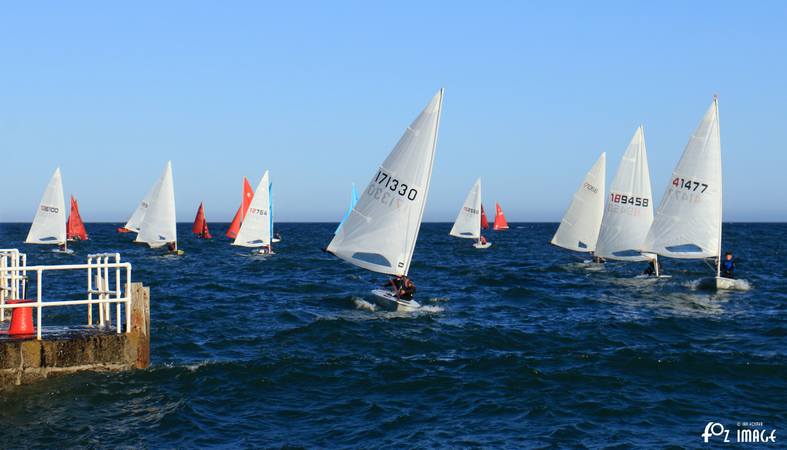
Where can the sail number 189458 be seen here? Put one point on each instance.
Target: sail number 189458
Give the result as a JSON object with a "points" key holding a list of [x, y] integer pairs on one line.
{"points": [[392, 184]]}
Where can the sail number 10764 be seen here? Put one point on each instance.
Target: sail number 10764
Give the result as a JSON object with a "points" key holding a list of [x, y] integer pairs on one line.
{"points": [[394, 185]]}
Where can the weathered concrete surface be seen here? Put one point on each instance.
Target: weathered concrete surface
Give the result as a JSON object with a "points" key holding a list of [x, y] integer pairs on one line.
{"points": [[26, 361]]}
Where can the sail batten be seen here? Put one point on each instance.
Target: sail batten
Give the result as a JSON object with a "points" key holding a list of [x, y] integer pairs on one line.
{"points": [[579, 228], [381, 230], [687, 223]]}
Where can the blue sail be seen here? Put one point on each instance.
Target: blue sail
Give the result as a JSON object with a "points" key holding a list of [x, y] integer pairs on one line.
{"points": [[353, 201]]}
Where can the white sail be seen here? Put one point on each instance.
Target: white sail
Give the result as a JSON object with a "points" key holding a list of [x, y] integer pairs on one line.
{"points": [[158, 226], [468, 221], [688, 221], [255, 231], [629, 211], [381, 231], [579, 228], [49, 224], [139, 214]]}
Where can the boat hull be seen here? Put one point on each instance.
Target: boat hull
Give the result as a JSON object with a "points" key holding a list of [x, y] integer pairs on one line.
{"points": [[387, 300], [717, 283], [482, 246]]}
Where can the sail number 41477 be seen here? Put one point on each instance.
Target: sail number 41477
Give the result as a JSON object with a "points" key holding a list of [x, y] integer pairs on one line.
{"points": [[689, 185]]}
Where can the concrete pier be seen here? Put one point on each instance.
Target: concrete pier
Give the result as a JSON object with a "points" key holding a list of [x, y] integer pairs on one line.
{"points": [[73, 349]]}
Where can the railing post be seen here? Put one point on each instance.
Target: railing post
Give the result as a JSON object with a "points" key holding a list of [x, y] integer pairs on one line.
{"points": [[39, 274], [89, 291]]}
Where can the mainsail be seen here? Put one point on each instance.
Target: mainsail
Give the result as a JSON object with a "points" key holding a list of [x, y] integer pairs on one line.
{"points": [[688, 221], [500, 219], [49, 224], [629, 211], [75, 228], [255, 231], [468, 221], [246, 197], [200, 226], [579, 228], [139, 214], [158, 226], [484, 220], [381, 231]]}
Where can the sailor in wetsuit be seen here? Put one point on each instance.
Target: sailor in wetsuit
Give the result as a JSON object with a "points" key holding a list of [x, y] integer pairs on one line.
{"points": [[728, 266], [651, 269], [403, 287]]}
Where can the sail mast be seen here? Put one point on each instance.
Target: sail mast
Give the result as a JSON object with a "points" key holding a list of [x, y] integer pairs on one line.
{"points": [[428, 179], [721, 187]]}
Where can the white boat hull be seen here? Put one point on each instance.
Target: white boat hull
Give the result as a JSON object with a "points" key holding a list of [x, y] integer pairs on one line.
{"points": [[479, 245], [387, 300], [718, 283]]}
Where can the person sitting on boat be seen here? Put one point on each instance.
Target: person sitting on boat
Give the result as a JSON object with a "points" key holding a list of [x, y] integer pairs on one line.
{"points": [[403, 287], [482, 240], [651, 269], [171, 247], [728, 266], [62, 247], [599, 260]]}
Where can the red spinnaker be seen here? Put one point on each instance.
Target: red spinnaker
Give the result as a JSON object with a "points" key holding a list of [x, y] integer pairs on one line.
{"points": [[500, 219], [75, 228], [484, 220], [248, 195], [200, 227]]}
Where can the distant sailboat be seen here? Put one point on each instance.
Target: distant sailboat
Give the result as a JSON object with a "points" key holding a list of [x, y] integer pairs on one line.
{"points": [[629, 211], [200, 226], [353, 201], [255, 231], [578, 231], [500, 219], [75, 228], [381, 231], [688, 221], [158, 227], [133, 223], [49, 224], [275, 237], [468, 222], [484, 220], [246, 197]]}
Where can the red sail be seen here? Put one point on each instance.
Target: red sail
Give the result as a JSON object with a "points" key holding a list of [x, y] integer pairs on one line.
{"points": [[500, 219], [200, 227], [75, 228], [484, 220], [248, 195]]}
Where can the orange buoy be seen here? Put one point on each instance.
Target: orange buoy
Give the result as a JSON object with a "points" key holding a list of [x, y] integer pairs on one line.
{"points": [[21, 319]]}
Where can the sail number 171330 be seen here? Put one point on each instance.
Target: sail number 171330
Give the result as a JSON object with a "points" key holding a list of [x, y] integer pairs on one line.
{"points": [[392, 184]]}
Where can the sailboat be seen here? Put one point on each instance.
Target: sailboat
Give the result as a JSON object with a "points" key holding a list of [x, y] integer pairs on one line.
{"points": [[158, 227], [688, 220], [75, 228], [255, 231], [381, 231], [629, 210], [246, 197], [353, 201], [468, 222], [579, 228], [133, 223], [49, 224], [484, 220], [500, 219], [200, 226]]}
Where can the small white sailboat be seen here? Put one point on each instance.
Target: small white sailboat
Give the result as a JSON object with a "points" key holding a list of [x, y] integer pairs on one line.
{"points": [[629, 211], [578, 230], [158, 226], [688, 221], [468, 222], [49, 224], [381, 231], [255, 231]]}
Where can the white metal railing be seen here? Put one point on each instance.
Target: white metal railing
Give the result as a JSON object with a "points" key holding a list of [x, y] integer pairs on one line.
{"points": [[13, 282], [102, 270]]}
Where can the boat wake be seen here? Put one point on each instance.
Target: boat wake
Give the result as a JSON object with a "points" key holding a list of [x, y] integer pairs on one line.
{"points": [[364, 305], [734, 285]]}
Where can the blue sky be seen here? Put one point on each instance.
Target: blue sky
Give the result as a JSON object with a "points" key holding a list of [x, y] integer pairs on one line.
{"points": [[320, 92]]}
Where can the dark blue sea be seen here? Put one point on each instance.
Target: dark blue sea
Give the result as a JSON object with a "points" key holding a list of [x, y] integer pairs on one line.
{"points": [[518, 346]]}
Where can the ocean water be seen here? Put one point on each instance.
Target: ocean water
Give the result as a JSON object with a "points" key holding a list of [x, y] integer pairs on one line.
{"points": [[518, 346]]}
